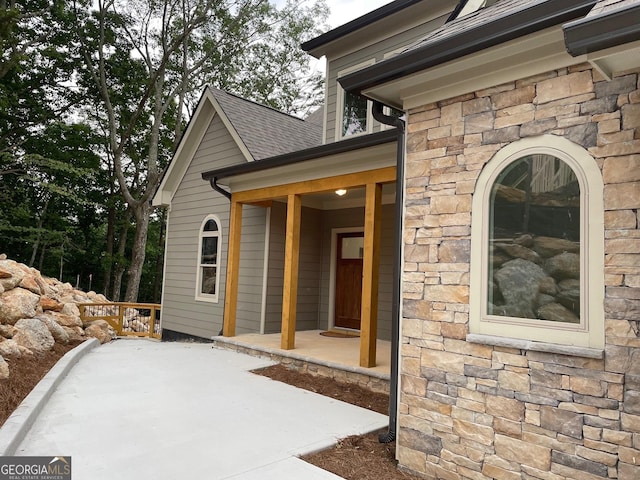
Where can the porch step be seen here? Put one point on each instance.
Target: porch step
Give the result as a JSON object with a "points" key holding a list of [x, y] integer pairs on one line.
{"points": [[373, 380]]}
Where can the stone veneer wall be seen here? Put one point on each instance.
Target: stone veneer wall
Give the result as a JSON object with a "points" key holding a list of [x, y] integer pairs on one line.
{"points": [[471, 411]]}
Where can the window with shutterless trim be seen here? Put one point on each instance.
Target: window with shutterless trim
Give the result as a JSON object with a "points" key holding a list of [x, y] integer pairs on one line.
{"points": [[537, 255], [353, 112], [209, 247]]}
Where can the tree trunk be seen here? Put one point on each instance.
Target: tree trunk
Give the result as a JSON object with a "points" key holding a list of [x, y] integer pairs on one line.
{"points": [[141, 212], [119, 259], [111, 220], [36, 244], [117, 282], [41, 261]]}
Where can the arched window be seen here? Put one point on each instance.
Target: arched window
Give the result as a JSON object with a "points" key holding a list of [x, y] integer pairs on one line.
{"points": [[537, 260], [208, 276]]}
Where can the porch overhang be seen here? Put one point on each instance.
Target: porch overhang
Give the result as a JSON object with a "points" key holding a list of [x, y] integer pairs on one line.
{"points": [[367, 163], [349, 149]]}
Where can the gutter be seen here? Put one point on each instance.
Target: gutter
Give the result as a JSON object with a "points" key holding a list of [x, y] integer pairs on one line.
{"points": [[608, 29], [477, 37], [378, 114]]}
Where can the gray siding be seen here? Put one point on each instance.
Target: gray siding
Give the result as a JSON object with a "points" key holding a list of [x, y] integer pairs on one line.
{"points": [[376, 51], [275, 279], [310, 269], [192, 202]]}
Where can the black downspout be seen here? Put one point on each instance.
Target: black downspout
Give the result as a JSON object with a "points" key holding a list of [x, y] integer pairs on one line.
{"points": [[223, 192], [378, 114], [218, 188]]}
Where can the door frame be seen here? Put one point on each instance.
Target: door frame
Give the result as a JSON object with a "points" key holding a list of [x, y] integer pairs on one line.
{"points": [[332, 273]]}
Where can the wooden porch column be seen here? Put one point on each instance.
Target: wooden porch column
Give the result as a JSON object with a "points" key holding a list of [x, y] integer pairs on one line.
{"points": [[370, 275], [291, 262], [233, 269]]}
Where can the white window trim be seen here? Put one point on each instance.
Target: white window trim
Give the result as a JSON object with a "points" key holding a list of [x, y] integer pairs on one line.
{"points": [[206, 297], [340, 102], [590, 332]]}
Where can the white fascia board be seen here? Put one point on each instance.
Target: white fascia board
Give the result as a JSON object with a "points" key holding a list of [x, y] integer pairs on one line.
{"points": [[187, 147]]}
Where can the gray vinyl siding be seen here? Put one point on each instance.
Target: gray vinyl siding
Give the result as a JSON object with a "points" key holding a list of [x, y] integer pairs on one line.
{"points": [[377, 52], [309, 269], [275, 279], [192, 202]]}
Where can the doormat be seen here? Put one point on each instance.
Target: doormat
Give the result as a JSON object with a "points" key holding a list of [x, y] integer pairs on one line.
{"points": [[336, 334]]}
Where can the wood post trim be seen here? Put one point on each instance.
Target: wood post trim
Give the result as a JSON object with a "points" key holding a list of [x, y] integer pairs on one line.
{"points": [[291, 264], [370, 274], [233, 267]]}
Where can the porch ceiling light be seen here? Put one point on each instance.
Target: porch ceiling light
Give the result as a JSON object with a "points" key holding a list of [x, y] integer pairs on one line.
{"points": [[341, 191]]}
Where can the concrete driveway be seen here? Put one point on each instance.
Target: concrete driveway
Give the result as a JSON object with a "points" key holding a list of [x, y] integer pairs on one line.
{"points": [[139, 409]]}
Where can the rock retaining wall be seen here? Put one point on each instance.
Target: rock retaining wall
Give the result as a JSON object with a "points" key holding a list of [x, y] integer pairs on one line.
{"points": [[36, 312]]}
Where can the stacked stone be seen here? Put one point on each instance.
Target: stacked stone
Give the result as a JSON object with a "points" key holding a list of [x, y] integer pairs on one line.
{"points": [[472, 411], [36, 312]]}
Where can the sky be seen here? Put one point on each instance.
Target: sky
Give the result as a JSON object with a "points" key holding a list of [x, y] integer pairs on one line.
{"points": [[343, 11]]}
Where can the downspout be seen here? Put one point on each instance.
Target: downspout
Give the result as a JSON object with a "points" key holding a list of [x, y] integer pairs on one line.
{"points": [[214, 184], [218, 188], [378, 114]]}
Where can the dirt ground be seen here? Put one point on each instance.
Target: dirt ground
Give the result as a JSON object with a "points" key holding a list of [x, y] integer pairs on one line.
{"points": [[360, 457]]}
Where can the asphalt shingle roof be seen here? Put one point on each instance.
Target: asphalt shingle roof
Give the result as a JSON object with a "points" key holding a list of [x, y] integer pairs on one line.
{"points": [[264, 131], [500, 9]]}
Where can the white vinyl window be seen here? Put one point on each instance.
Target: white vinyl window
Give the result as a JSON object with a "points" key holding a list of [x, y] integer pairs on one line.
{"points": [[208, 275], [354, 114], [537, 261]]}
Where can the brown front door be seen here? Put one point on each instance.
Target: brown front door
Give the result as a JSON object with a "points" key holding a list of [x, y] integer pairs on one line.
{"points": [[349, 280]]}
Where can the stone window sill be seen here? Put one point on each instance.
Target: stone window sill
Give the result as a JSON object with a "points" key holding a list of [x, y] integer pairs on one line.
{"points": [[536, 346]]}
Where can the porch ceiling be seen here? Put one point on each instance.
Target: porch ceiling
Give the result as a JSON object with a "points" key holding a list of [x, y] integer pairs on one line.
{"points": [[354, 197]]}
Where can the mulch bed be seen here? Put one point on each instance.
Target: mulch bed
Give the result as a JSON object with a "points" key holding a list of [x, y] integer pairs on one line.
{"points": [[24, 374], [359, 457], [346, 392]]}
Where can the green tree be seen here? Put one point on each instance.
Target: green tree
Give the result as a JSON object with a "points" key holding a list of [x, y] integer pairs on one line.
{"points": [[148, 60]]}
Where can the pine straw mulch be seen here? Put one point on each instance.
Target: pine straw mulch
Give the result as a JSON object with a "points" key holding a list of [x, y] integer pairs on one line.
{"points": [[359, 457], [24, 374]]}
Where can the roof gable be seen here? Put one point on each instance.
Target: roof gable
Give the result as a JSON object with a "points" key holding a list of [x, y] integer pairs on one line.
{"points": [[265, 131], [258, 131]]}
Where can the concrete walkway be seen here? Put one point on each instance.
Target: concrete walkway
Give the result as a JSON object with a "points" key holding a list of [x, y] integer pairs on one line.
{"points": [[139, 409]]}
